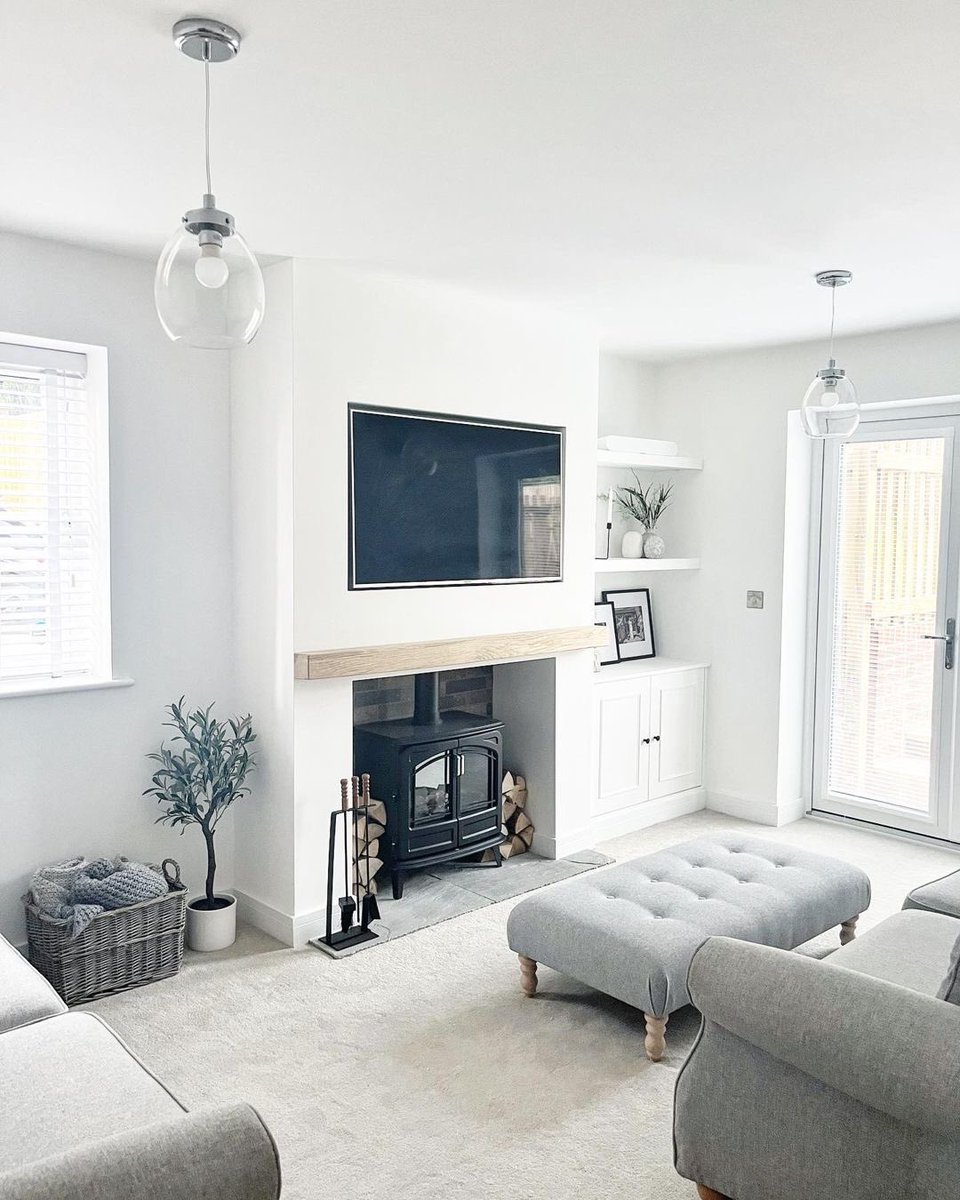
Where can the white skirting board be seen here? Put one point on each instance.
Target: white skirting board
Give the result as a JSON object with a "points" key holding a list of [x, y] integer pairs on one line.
{"points": [[626, 820], [292, 930], [760, 811]]}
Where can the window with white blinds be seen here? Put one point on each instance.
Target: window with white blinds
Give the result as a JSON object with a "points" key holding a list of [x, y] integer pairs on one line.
{"points": [[540, 526], [54, 515]]}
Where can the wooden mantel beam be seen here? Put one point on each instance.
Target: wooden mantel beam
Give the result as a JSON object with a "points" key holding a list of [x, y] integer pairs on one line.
{"points": [[405, 658]]}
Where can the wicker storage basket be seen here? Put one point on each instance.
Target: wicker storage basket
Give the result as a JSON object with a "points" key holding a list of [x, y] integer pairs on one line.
{"points": [[120, 949]]}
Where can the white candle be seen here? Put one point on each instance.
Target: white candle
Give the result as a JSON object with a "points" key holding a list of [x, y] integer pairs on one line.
{"points": [[610, 507]]}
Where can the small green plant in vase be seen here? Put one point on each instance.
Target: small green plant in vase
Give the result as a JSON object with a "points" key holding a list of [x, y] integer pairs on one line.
{"points": [[201, 773], [646, 505]]}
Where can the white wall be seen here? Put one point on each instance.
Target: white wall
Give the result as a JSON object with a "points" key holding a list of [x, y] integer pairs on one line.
{"points": [[379, 339], [72, 766], [627, 396], [732, 409], [261, 387], [361, 337]]}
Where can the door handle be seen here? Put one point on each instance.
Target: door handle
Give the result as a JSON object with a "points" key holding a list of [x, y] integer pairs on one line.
{"points": [[460, 764], [948, 639]]}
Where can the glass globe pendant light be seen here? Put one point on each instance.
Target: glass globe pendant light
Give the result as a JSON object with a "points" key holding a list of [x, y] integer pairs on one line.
{"points": [[830, 408], [208, 287]]}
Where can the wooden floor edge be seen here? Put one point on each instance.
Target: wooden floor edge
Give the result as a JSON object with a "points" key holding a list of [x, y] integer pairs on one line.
{"points": [[405, 658]]}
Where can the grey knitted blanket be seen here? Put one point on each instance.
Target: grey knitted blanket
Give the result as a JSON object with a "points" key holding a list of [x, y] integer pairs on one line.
{"points": [[78, 890]]}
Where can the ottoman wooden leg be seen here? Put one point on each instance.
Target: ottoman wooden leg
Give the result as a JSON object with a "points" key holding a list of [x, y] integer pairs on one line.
{"points": [[655, 1041], [848, 930], [706, 1193], [528, 974]]}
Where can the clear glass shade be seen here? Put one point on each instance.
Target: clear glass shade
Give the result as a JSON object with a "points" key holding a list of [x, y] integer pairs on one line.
{"points": [[208, 296], [830, 408]]}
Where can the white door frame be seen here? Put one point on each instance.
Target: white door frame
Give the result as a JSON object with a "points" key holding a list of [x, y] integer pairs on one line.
{"points": [[943, 822]]}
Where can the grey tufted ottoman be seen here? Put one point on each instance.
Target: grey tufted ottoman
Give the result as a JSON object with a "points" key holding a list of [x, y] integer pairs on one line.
{"points": [[631, 931]]}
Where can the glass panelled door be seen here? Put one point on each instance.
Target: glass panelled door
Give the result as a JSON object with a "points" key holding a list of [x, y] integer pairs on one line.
{"points": [[432, 795], [476, 767], [884, 727]]}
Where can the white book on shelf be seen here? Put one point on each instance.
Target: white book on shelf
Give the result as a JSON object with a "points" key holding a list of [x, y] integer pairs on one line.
{"points": [[635, 445]]}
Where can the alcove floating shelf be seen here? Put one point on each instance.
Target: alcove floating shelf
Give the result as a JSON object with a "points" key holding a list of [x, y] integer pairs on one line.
{"points": [[636, 566], [648, 462]]}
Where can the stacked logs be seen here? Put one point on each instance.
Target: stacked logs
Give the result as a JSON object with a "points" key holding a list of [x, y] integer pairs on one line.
{"points": [[517, 826]]}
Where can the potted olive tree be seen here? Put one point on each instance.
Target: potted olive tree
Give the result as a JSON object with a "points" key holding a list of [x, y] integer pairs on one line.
{"points": [[200, 775]]}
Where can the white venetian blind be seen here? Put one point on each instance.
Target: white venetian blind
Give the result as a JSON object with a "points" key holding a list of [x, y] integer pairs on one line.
{"points": [[54, 544], [540, 523]]}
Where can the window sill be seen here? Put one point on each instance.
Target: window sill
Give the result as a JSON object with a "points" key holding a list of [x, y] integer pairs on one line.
{"points": [[52, 687]]}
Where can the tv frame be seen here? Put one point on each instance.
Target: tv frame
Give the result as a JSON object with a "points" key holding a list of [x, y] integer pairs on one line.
{"points": [[455, 419]]}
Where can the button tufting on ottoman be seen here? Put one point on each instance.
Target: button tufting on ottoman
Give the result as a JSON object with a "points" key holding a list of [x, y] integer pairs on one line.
{"points": [[668, 904]]}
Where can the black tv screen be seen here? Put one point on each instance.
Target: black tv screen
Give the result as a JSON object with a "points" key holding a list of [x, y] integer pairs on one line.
{"points": [[441, 500]]}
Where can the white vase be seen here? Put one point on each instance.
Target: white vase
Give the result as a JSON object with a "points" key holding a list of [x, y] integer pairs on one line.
{"points": [[212, 928], [632, 545], [653, 545]]}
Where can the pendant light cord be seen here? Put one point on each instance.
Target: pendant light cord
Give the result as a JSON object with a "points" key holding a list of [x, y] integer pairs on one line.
{"points": [[833, 314], [206, 114]]}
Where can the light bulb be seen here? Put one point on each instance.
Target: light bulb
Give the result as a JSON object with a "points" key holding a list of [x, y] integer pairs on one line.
{"points": [[210, 269]]}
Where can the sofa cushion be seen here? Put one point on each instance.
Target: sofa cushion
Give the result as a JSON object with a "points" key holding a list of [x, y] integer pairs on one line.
{"points": [[940, 895], [69, 1080], [910, 948], [950, 988], [24, 993]]}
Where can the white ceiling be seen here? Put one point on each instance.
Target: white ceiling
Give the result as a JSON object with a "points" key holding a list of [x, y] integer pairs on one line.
{"points": [[672, 170]]}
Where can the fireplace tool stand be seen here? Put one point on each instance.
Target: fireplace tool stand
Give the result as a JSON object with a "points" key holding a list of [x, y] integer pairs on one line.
{"points": [[357, 907]]}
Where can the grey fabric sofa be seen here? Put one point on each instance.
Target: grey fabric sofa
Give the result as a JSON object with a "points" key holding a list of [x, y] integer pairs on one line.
{"points": [[825, 1078], [940, 895], [82, 1118]]}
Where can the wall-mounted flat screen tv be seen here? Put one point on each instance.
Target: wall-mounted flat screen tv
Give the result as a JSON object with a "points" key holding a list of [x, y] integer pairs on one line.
{"points": [[441, 500]]}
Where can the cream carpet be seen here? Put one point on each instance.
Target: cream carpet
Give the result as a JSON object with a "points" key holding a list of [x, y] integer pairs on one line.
{"points": [[420, 1070]]}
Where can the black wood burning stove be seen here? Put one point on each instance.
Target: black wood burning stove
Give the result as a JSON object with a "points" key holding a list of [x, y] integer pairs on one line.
{"points": [[439, 775]]}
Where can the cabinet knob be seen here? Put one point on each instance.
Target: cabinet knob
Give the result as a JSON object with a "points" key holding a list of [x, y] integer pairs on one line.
{"points": [[656, 737], [645, 742]]}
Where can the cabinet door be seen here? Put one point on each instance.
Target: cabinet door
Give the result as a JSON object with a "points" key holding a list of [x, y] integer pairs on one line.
{"points": [[676, 720], [621, 740]]}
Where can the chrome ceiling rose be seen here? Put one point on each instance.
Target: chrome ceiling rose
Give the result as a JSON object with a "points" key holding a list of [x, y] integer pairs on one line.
{"points": [[833, 279], [206, 40]]}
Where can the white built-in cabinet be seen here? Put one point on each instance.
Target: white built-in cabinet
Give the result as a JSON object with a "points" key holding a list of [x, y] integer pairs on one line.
{"points": [[647, 735]]}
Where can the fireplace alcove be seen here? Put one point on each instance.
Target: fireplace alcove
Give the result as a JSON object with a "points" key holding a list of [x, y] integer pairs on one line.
{"points": [[438, 774]]}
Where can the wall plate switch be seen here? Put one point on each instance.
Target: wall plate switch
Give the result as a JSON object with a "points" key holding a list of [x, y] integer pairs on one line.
{"points": [[754, 599]]}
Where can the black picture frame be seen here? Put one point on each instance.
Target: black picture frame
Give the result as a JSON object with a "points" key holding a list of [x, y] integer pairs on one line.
{"points": [[632, 612], [608, 621]]}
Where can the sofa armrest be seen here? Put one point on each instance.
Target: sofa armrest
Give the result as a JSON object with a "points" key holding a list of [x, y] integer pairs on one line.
{"points": [[25, 995], [891, 1048], [223, 1153]]}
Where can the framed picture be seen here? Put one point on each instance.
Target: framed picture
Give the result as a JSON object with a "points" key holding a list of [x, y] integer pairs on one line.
{"points": [[603, 617], [633, 622]]}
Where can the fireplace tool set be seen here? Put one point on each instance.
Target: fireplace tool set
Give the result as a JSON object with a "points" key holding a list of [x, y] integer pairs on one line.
{"points": [[357, 907]]}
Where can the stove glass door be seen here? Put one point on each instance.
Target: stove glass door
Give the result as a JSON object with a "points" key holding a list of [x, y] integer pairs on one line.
{"points": [[432, 796]]}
